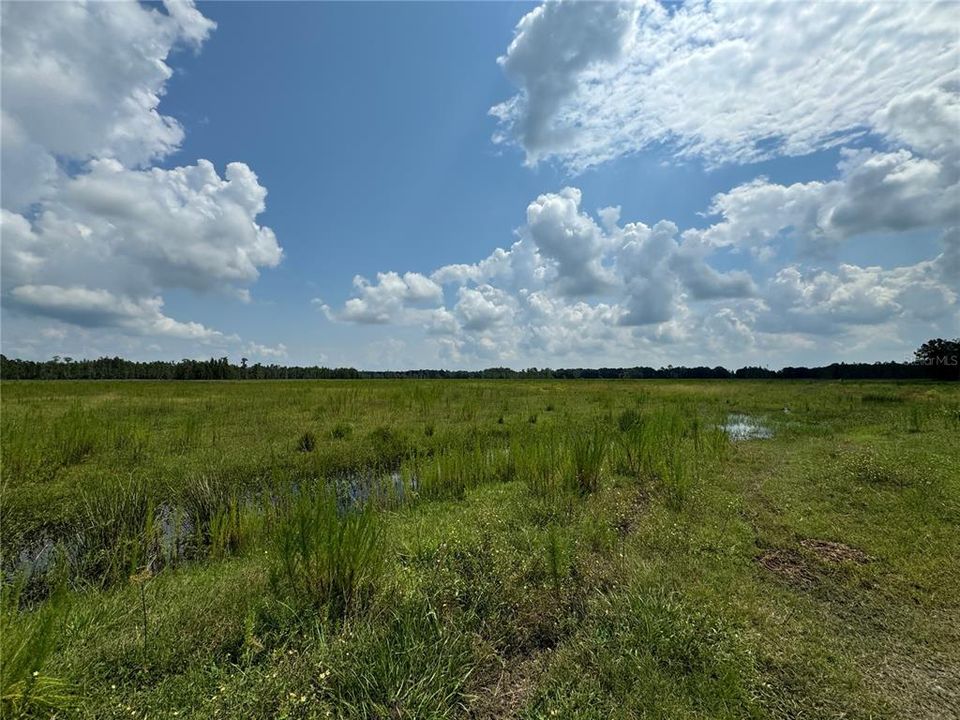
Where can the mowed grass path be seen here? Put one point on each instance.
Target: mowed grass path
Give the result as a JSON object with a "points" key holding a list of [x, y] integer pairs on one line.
{"points": [[407, 549]]}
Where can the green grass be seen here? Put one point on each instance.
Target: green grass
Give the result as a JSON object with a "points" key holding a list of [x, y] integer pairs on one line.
{"points": [[480, 549]]}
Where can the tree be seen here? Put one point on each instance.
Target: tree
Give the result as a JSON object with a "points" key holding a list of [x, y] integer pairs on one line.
{"points": [[940, 357]]}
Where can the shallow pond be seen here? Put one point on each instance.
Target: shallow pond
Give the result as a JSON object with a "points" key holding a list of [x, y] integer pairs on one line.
{"points": [[745, 427]]}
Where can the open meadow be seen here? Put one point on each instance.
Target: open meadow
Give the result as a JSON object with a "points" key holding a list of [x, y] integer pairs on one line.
{"points": [[481, 549]]}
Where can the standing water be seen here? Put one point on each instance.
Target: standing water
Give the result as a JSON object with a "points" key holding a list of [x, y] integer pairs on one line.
{"points": [[745, 427]]}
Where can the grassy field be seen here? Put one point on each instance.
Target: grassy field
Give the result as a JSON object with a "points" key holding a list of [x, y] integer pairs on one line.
{"points": [[487, 549]]}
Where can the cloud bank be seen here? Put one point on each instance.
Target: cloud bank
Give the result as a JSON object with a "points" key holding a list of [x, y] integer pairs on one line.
{"points": [[720, 83], [93, 232], [723, 82]]}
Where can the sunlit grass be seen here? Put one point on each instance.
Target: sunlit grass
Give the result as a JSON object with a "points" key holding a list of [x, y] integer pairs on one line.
{"points": [[425, 549]]}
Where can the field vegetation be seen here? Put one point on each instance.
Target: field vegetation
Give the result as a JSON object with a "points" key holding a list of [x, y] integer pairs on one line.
{"points": [[480, 549]]}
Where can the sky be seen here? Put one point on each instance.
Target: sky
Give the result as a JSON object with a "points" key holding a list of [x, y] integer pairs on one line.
{"points": [[465, 185]]}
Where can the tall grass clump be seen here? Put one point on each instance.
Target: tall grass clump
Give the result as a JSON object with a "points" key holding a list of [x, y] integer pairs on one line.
{"points": [[73, 437], [444, 476], [537, 463], [20, 452], [236, 526], [130, 443], [120, 532], [633, 443], [413, 665], [326, 556], [27, 639], [675, 473], [307, 442], [587, 451]]}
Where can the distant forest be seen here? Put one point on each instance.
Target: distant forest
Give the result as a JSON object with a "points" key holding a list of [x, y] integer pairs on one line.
{"points": [[935, 360]]}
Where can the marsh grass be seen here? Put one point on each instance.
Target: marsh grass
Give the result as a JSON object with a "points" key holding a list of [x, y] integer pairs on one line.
{"points": [[587, 451], [307, 442], [341, 431], [120, 531], [648, 652], [599, 562], [28, 641], [411, 664], [324, 556], [73, 437], [238, 526]]}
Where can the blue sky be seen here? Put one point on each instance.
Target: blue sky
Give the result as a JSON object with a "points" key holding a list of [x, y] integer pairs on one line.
{"points": [[801, 224]]}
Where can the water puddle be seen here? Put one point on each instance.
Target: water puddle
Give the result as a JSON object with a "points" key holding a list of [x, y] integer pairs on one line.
{"points": [[175, 535], [745, 427]]}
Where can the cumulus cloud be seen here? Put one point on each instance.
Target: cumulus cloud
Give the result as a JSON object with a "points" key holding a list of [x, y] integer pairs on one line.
{"points": [[571, 240], [84, 81], [183, 227], [553, 45], [876, 192], [101, 308], [86, 220], [725, 82], [391, 298], [826, 302], [661, 293]]}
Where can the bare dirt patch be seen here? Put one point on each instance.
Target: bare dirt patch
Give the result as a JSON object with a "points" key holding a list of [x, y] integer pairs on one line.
{"points": [[789, 566], [631, 512], [507, 694], [835, 552]]}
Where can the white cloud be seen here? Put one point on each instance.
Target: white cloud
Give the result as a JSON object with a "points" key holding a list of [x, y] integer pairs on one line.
{"points": [[876, 192], [86, 221], [823, 302], [726, 82], [571, 240], [84, 81], [553, 45], [391, 298], [101, 308], [662, 297], [147, 229], [481, 308], [267, 352]]}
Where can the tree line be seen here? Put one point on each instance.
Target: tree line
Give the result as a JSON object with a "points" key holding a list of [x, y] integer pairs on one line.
{"points": [[936, 359]]}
